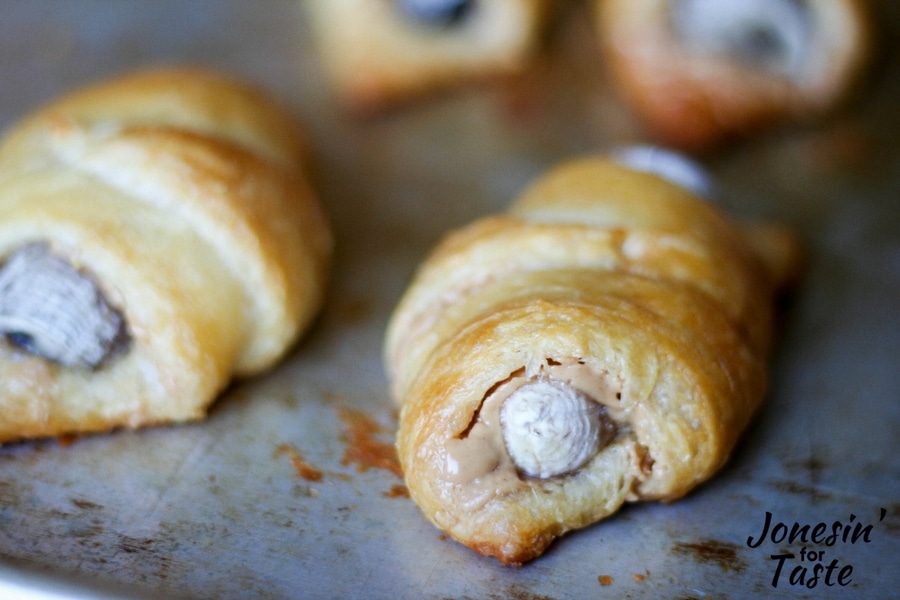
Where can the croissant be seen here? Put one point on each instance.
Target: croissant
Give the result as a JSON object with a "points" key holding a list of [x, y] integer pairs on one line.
{"points": [[604, 341], [702, 72], [376, 53], [158, 237]]}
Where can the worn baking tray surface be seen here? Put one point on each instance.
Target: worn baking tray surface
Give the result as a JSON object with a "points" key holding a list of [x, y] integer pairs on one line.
{"points": [[290, 488]]}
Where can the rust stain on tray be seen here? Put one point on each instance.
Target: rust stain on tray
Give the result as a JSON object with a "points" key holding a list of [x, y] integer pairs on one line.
{"points": [[516, 591], [85, 504], [723, 554], [892, 524], [397, 491], [812, 492], [301, 467], [364, 449], [68, 439]]}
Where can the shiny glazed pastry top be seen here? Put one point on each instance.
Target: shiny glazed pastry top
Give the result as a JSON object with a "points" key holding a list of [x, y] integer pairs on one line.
{"points": [[603, 341], [158, 236]]}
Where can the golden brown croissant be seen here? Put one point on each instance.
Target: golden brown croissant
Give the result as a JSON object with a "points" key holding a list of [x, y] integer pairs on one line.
{"points": [[157, 237], [699, 72], [376, 52], [603, 341]]}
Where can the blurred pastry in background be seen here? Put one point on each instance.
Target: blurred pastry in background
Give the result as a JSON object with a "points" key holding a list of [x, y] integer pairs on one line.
{"points": [[701, 72], [158, 237], [380, 52]]}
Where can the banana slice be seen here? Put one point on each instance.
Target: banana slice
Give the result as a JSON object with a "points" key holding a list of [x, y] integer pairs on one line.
{"points": [[50, 309]]}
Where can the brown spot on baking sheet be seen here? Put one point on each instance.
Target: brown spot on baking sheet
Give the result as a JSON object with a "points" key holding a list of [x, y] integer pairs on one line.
{"points": [[333, 397], [301, 467], [518, 591], [353, 311], [844, 146], [808, 468], [9, 495], [305, 491], [85, 505], [892, 522], [86, 533], [397, 491], [290, 401], [135, 545], [605, 580], [808, 464], [715, 552], [67, 439], [156, 555], [811, 465], [364, 449], [799, 489]]}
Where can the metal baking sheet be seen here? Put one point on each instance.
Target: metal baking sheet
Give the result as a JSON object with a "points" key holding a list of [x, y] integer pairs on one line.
{"points": [[270, 497]]}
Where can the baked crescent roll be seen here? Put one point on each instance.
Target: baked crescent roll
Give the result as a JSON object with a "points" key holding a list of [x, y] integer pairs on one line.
{"points": [[378, 52], [602, 342], [158, 237], [699, 72]]}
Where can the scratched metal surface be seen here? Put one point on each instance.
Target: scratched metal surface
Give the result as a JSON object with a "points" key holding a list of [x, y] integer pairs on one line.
{"points": [[218, 510]]}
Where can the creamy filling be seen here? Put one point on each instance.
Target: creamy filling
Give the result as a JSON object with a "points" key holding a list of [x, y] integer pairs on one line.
{"points": [[52, 310], [672, 166], [550, 428], [773, 35], [542, 426]]}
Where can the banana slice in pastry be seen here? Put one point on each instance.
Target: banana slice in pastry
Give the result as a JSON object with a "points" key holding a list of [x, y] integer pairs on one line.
{"points": [[157, 237], [604, 341]]}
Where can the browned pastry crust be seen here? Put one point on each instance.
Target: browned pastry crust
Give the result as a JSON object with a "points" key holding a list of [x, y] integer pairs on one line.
{"points": [[695, 97], [611, 282], [376, 55], [181, 196]]}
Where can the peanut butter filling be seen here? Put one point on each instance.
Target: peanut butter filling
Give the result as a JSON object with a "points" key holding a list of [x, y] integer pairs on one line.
{"points": [[542, 426]]}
